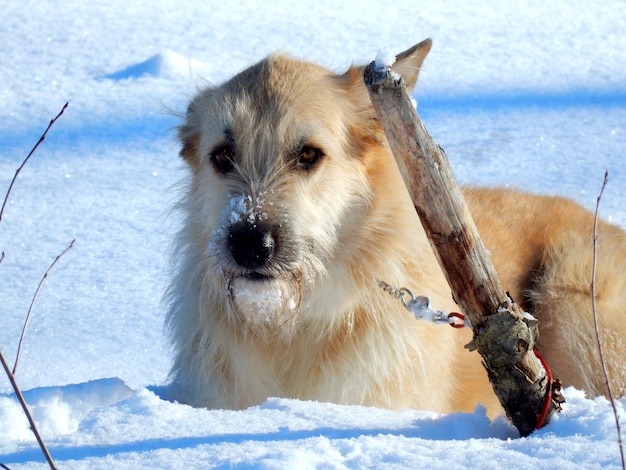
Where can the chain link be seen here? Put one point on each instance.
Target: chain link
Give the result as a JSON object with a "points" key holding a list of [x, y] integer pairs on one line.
{"points": [[420, 306]]}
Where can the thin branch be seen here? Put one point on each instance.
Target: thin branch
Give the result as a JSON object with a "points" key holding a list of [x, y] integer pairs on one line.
{"points": [[31, 421], [32, 303], [11, 374], [41, 139], [595, 320]]}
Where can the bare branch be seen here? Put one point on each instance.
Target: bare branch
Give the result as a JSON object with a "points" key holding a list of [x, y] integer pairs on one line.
{"points": [[31, 421], [595, 320], [41, 139], [11, 374], [32, 303]]}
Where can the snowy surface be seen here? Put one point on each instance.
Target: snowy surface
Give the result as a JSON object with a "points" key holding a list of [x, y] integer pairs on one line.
{"points": [[528, 95]]}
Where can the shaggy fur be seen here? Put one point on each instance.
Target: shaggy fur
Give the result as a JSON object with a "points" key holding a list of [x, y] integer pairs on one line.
{"points": [[295, 210]]}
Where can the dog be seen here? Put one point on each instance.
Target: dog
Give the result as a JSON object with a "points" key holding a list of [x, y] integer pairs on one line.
{"points": [[295, 210]]}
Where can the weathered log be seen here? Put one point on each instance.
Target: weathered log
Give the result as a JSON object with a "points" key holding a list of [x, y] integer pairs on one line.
{"points": [[504, 335]]}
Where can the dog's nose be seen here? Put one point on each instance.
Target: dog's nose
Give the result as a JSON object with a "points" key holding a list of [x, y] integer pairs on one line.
{"points": [[251, 247]]}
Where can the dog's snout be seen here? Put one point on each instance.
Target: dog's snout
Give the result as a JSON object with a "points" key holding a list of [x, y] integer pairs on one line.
{"points": [[251, 247]]}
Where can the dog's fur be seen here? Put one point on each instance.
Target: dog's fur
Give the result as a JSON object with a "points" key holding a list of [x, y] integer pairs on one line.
{"points": [[295, 210]]}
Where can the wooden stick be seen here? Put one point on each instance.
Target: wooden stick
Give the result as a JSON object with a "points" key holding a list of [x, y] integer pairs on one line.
{"points": [[503, 334]]}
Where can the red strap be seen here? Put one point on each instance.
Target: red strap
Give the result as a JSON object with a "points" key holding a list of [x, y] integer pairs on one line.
{"points": [[548, 399]]}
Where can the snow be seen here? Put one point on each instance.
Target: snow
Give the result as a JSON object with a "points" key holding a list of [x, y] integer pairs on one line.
{"points": [[385, 58], [257, 299], [530, 96]]}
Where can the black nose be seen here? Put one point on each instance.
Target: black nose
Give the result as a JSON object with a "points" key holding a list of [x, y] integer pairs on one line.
{"points": [[251, 246]]}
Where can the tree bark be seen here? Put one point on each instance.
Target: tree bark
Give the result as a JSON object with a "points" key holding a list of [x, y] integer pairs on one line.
{"points": [[504, 335]]}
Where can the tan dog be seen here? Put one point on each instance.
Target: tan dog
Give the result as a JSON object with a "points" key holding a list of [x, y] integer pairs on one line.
{"points": [[295, 210]]}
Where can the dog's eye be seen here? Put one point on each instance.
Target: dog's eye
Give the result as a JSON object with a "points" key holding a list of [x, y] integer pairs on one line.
{"points": [[309, 157], [222, 158]]}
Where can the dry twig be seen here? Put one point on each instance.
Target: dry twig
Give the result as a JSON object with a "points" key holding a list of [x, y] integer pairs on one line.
{"points": [[595, 321], [32, 303], [17, 172], [24, 406], [11, 373]]}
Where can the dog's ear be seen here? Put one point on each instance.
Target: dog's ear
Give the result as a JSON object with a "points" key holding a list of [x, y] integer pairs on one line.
{"points": [[409, 62], [189, 131]]}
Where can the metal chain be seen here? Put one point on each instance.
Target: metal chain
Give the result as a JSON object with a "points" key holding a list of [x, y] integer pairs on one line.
{"points": [[420, 307]]}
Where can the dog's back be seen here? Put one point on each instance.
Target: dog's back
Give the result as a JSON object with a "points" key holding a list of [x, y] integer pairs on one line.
{"points": [[542, 248]]}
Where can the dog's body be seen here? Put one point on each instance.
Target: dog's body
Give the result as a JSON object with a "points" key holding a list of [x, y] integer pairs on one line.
{"points": [[294, 213]]}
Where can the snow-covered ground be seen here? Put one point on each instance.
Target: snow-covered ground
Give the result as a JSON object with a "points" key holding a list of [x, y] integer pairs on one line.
{"points": [[528, 95]]}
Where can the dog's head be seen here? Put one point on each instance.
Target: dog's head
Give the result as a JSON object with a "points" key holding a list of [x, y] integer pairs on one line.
{"points": [[282, 168]]}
